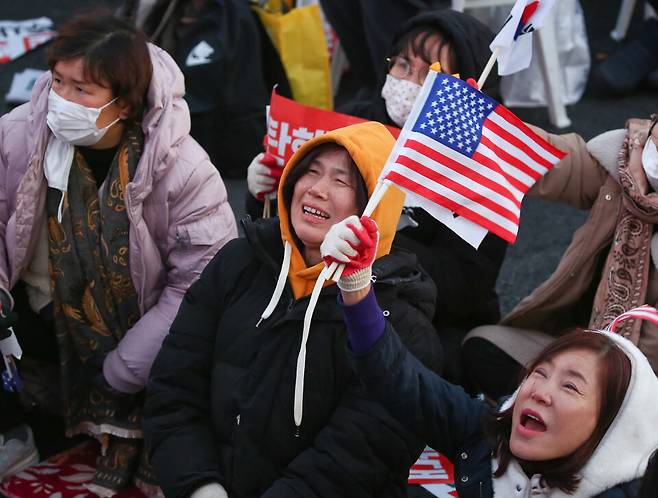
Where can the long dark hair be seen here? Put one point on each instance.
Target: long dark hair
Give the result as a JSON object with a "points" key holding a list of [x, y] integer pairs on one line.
{"points": [[114, 54], [614, 377]]}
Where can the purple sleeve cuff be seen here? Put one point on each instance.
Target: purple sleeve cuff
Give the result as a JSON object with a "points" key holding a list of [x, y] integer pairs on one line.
{"points": [[364, 321]]}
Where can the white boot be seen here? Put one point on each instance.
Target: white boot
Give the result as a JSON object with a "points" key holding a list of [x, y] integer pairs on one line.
{"points": [[17, 451]]}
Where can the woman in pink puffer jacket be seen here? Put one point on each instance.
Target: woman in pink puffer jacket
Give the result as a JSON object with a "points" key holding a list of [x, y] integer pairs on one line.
{"points": [[108, 211]]}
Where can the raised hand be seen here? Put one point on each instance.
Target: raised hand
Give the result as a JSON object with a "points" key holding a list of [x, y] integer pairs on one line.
{"points": [[352, 242], [263, 176]]}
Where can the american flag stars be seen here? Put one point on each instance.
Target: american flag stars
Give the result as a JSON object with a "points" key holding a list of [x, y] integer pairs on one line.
{"points": [[455, 116], [470, 156]]}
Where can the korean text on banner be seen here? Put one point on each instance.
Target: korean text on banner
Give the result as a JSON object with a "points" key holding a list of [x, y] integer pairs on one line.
{"points": [[435, 473], [463, 151], [290, 124]]}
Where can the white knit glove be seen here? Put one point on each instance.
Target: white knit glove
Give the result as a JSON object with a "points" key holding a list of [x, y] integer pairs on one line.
{"points": [[352, 242], [210, 490], [263, 175]]}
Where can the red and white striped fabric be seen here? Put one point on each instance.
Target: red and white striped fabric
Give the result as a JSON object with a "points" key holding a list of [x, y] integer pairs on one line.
{"points": [[644, 312], [462, 150]]}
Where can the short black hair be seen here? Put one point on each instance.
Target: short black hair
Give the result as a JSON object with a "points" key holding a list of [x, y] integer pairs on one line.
{"points": [[414, 42]]}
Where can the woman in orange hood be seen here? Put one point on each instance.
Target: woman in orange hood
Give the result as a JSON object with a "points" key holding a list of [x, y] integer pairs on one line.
{"points": [[219, 413]]}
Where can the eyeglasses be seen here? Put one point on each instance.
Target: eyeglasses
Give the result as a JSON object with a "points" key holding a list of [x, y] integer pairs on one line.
{"points": [[399, 67]]}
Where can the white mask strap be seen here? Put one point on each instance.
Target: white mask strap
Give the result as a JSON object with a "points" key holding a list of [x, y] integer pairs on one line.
{"points": [[110, 102]]}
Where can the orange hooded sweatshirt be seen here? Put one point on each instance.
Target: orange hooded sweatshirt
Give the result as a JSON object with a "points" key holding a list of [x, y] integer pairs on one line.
{"points": [[369, 145]]}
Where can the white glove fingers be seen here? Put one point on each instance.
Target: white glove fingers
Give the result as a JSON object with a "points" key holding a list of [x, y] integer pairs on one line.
{"points": [[337, 249]]}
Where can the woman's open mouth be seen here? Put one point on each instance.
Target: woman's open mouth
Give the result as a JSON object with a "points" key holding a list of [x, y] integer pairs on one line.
{"points": [[315, 212], [532, 421]]}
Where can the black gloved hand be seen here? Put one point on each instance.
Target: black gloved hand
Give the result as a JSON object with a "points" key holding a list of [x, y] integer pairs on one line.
{"points": [[7, 317]]}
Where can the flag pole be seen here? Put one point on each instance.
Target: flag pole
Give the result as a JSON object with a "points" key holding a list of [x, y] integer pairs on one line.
{"points": [[487, 69], [335, 270]]}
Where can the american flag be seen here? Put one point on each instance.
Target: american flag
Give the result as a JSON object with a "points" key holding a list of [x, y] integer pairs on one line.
{"points": [[464, 151], [644, 312]]}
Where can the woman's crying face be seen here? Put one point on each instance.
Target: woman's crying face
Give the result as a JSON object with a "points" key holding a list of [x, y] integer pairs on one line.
{"points": [[324, 195]]}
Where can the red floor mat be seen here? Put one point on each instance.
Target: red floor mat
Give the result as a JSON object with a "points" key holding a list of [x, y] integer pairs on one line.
{"points": [[61, 476], [65, 475]]}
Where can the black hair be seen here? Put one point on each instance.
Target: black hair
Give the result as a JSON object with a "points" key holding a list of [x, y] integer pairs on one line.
{"points": [[467, 37], [414, 42]]}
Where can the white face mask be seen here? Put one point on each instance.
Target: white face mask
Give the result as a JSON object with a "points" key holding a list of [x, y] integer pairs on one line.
{"points": [[650, 163], [399, 96], [74, 123]]}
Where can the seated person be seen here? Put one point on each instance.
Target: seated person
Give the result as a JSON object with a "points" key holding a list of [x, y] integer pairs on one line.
{"points": [[610, 266], [582, 422], [109, 211], [466, 296], [236, 408]]}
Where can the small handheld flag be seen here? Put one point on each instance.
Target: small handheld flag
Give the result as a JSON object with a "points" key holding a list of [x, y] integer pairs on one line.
{"points": [[10, 349], [512, 46], [463, 151]]}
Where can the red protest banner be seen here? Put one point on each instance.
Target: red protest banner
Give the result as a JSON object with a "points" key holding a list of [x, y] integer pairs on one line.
{"points": [[290, 124], [432, 468]]}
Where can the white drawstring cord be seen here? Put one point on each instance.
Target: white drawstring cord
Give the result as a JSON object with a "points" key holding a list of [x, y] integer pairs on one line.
{"points": [[280, 283], [301, 357], [60, 208], [327, 272]]}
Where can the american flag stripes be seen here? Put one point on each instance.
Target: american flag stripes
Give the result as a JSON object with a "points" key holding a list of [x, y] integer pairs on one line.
{"points": [[464, 151], [644, 312]]}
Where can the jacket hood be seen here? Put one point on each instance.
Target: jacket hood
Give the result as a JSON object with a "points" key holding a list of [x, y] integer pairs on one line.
{"points": [[470, 41], [625, 449], [165, 120], [469, 37], [369, 145]]}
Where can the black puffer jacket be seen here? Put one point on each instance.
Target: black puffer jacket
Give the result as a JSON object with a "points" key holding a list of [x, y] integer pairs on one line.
{"points": [[220, 397]]}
